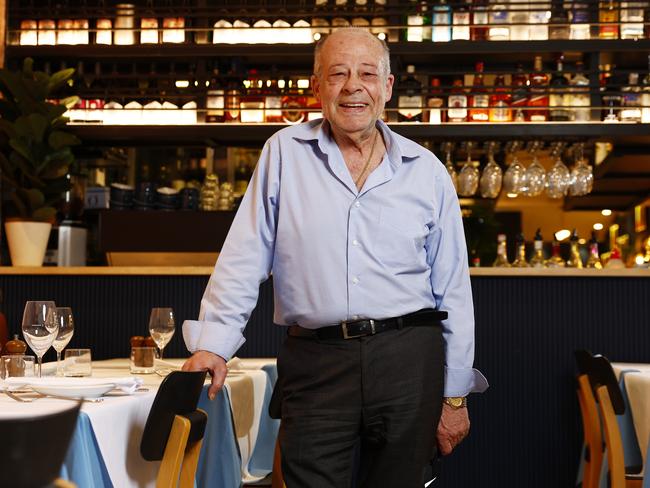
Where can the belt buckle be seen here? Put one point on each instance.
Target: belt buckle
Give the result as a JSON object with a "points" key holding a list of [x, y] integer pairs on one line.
{"points": [[347, 335]]}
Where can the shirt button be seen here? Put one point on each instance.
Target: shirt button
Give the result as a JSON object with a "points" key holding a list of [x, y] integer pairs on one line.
{"points": [[357, 204], [355, 280], [355, 242]]}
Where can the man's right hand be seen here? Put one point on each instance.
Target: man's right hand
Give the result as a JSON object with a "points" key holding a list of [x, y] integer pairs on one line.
{"points": [[214, 364]]}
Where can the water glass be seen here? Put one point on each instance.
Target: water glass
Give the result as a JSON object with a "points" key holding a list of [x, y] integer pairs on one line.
{"points": [[77, 362], [142, 360], [17, 365]]}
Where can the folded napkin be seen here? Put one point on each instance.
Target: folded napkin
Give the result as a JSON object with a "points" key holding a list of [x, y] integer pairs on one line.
{"points": [[128, 384]]}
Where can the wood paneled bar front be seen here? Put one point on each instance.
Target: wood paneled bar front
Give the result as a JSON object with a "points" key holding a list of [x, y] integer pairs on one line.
{"points": [[525, 428]]}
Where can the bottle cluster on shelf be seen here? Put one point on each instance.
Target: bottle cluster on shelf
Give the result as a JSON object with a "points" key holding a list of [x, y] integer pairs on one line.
{"points": [[412, 21], [535, 96], [537, 259]]}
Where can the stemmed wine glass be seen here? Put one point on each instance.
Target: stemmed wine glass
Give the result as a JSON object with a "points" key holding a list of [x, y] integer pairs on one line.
{"points": [[161, 327], [468, 176], [449, 165], [66, 330], [492, 176], [582, 176], [558, 178], [39, 327], [535, 175]]}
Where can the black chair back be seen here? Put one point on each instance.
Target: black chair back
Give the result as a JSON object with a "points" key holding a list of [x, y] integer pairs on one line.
{"points": [[178, 395], [604, 376], [32, 449]]}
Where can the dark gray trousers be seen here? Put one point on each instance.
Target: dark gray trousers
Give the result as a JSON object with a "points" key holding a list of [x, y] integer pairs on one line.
{"points": [[377, 398]]}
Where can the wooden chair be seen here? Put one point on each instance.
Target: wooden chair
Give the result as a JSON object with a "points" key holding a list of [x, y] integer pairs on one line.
{"points": [[610, 404], [174, 430], [34, 448]]}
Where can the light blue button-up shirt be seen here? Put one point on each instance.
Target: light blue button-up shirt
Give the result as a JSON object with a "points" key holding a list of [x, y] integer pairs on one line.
{"points": [[337, 253]]}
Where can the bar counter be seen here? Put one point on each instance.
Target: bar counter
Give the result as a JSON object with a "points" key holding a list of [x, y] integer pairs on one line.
{"points": [[525, 428]]}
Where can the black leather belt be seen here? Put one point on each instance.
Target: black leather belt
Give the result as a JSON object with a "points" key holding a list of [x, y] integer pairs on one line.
{"points": [[365, 327]]}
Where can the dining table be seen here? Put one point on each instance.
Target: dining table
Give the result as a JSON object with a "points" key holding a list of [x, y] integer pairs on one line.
{"points": [[636, 387], [104, 451]]}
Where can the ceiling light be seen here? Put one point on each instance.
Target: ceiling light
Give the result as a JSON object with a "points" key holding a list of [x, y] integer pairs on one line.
{"points": [[560, 235], [182, 83], [606, 212], [598, 226]]}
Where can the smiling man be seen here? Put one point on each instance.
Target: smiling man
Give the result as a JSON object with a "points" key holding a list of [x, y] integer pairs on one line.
{"points": [[362, 231]]}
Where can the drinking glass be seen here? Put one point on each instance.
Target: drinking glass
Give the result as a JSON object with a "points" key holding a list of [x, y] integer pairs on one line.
{"points": [[161, 327], [492, 177], [582, 176], [39, 327], [558, 179], [449, 165], [66, 330], [535, 178], [514, 179]]}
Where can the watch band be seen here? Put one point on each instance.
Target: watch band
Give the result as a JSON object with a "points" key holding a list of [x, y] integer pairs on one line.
{"points": [[456, 402]]}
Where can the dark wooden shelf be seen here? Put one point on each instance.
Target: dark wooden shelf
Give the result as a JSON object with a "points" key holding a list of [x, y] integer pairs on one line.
{"points": [[279, 51], [256, 134]]}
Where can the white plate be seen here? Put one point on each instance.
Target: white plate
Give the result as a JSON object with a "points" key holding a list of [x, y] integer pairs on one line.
{"points": [[74, 391]]}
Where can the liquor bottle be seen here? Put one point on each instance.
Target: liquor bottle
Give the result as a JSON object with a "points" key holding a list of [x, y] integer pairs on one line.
{"points": [[631, 101], [555, 261], [480, 20], [520, 256], [500, 101], [273, 102], [232, 99], [575, 261], [215, 100], [340, 20], [441, 21], [460, 30], [457, 102], [417, 17], [537, 260], [559, 28], [608, 18], [579, 96], [645, 97], [519, 95], [558, 99], [411, 101], [611, 98], [502, 256], [593, 261], [479, 100], [360, 18], [539, 17], [252, 102], [435, 112], [632, 20], [294, 102], [538, 93], [499, 28], [380, 24], [518, 19], [320, 23], [580, 27]]}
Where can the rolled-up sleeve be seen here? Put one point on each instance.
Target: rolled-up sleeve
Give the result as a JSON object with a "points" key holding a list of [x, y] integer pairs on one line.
{"points": [[447, 256], [245, 261]]}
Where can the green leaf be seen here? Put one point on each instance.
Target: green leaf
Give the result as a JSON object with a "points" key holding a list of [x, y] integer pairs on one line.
{"points": [[39, 124], [69, 102], [33, 197], [53, 111], [8, 128], [59, 139], [58, 79], [15, 85], [20, 146]]}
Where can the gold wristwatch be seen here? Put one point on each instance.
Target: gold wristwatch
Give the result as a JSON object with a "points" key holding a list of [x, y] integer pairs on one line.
{"points": [[456, 402]]}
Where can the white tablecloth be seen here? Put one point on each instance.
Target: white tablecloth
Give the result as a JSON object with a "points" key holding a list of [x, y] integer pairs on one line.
{"points": [[119, 420]]}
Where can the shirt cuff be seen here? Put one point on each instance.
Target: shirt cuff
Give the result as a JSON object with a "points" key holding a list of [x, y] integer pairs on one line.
{"points": [[213, 337], [461, 382]]}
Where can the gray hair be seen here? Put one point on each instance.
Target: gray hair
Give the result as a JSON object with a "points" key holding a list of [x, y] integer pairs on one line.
{"points": [[384, 60]]}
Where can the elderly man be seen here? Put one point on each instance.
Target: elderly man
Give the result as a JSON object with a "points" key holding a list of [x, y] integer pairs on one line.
{"points": [[362, 231]]}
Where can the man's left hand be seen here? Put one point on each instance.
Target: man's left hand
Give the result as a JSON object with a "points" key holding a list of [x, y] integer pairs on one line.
{"points": [[452, 428]]}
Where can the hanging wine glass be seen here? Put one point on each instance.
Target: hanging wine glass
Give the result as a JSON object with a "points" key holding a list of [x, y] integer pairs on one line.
{"points": [[449, 165], [535, 176], [582, 176], [558, 178], [468, 176], [492, 176]]}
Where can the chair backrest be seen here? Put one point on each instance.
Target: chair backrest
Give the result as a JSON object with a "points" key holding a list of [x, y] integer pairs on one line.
{"points": [[615, 459], [33, 448], [178, 395], [602, 374]]}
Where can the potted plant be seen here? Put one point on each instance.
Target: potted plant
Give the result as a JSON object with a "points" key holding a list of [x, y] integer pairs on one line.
{"points": [[35, 155]]}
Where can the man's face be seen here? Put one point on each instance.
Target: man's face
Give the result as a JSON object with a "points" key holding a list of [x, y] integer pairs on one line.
{"points": [[351, 87]]}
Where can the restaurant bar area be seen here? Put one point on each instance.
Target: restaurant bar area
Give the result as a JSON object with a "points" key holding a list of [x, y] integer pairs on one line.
{"points": [[131, 132]]}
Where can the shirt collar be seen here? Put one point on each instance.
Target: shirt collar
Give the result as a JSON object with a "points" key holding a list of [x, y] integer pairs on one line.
{"points": [[398, 147]]}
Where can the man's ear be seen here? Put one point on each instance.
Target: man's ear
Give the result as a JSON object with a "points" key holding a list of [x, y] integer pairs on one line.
{"points": [[315, 86], [389, 86]]}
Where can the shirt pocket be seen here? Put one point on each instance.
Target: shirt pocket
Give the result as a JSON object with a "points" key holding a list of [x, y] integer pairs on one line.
{"points": [[400, 239]]}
